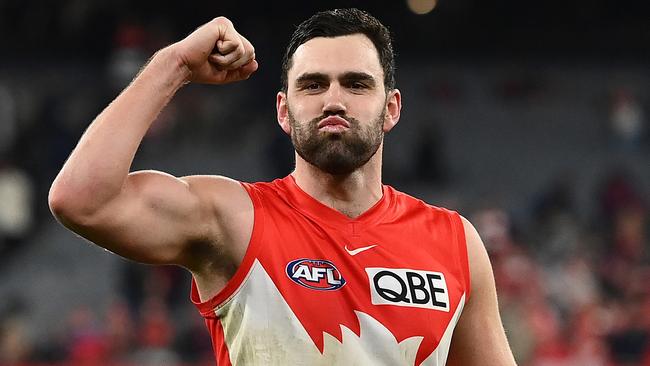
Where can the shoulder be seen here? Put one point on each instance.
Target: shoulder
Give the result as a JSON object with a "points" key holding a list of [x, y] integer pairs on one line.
{"points": [[474, 243], [214, 187], [209, 181], [221, 195], [479, 262]]}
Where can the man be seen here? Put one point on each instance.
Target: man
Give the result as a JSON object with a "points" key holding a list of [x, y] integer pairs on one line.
{"points": [[326, 266]]}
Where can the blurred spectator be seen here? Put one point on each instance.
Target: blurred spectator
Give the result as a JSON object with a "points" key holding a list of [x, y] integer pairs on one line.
{"points": [[120, 332], [629, 233], [556, 232], [155, 335], [88, 345], [618, 192], [572, 285], [138, 283], [16, 343], [629, 342], [128, 56], [15, 347], [16, 210], [556, 199], [627, 119]]}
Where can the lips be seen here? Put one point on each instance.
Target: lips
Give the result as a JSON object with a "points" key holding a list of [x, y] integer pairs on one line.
{"points": [[333, 121]]}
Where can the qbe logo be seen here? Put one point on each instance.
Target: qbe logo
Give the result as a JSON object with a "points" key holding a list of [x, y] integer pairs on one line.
{"points": [[408, 287], [316, 274]]}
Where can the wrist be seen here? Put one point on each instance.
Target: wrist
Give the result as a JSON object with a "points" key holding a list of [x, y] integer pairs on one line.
{"points": [[169, 68]]}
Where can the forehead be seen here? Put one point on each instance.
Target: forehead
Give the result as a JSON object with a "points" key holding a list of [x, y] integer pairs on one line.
{"points": [[336, 55]]}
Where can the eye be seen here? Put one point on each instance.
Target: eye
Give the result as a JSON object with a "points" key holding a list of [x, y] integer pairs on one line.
{"points": [[313, 86], [358, 85]]}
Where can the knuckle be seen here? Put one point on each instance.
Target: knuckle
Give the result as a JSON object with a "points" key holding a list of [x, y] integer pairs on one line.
{"points": [[222, 20]]}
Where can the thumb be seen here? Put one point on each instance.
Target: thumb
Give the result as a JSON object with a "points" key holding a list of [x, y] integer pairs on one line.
{"points": [[225, 46]]}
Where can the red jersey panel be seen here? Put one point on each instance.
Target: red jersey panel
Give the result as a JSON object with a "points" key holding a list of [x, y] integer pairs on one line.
{"points": [[319, 288]]}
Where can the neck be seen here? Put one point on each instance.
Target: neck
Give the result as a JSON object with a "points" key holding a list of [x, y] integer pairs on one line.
{"points": [[351, 194]]}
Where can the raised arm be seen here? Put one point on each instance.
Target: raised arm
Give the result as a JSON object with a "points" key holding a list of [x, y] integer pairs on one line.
{"points": [[479, 338], [150, 216]]}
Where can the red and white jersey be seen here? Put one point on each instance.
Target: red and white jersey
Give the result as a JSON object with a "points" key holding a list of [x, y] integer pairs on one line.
{"points": [[319, 288]]}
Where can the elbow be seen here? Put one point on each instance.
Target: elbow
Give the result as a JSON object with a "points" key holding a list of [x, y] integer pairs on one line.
{"points": [[69, 207], [59, 202]]}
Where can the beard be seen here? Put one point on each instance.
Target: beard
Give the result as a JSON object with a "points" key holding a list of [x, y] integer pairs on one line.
{"points": [[337, 153]]}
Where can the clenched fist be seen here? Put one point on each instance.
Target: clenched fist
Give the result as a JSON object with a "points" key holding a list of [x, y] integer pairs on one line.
{"points": [[216, 54]]}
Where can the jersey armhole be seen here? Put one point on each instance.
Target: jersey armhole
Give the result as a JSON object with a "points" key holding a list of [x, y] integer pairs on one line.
{"points": [[463, 257], [208, 308]]}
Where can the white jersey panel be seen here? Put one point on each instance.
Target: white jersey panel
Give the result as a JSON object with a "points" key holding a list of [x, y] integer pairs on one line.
{"points": [[261, 329]]}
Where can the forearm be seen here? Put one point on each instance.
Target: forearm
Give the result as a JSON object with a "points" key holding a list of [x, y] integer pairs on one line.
{"points": [[99, 165]]}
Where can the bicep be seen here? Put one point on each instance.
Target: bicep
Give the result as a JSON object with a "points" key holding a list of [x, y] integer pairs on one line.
{"points": [[479, 337], [153, 220]]}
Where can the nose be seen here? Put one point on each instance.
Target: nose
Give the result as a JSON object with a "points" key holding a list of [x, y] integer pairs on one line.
{"points": [[334, 102]]}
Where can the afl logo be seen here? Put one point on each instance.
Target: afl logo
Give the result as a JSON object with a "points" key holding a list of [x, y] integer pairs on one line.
{"points": [[316, 274]]}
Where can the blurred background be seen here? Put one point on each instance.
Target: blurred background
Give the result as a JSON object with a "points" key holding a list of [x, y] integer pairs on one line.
{"points": [[529, 118]]}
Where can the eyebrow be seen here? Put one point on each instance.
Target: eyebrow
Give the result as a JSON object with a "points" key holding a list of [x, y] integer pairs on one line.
{"points": [[345, 77], [358, 76], [311, 76]]}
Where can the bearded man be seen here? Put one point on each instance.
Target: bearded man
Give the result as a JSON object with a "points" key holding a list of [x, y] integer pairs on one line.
{"points": [[326, 266]]}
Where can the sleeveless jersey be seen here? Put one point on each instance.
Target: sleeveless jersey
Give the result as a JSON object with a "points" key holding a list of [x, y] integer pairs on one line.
{"points": [[316, 287]]}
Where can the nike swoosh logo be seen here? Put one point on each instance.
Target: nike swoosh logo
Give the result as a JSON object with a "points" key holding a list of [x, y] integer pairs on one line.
{"points": [[358, 250]]}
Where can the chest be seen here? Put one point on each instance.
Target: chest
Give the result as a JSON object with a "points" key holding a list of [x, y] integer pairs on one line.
{"points": [[403, 274]]}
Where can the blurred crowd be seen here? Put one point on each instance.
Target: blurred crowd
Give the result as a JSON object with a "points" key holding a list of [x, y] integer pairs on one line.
{"points": [[573, 284], [138, 328], [575, 292]]}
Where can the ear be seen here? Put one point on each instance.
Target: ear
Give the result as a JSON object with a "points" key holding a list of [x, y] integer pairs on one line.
{"points": [[393, 109], [283, 112]]}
